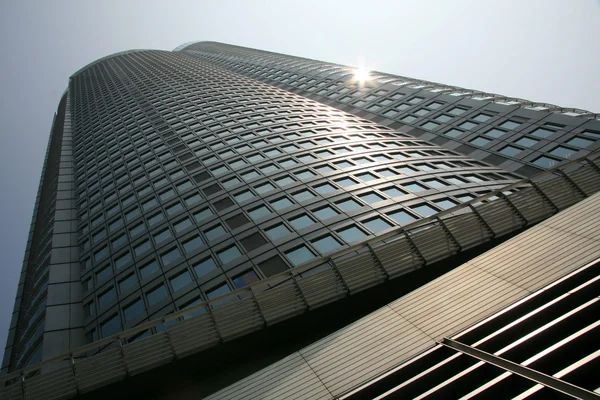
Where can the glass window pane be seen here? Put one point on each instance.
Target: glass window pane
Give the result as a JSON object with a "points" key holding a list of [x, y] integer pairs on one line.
{"points": [[229, 254], [111, 326], [107, 298], [580, 142], [134, 310], [301, 221], [214, 232], [170, 256], [510, 151], [302, 195], [401, 217], [495, 133], [325, 213], [259, 212], [326, 244], [377, 224], [277, 231], [245, 279], [348, 205], [204, 267], [300, 255], [156, 295], [424, 210], [542, 133], [510, 124], [545, 162], [352, 234], [180, 281], [526, 142], [480, 141], [371, 197], [281, 203], [127, 283]]}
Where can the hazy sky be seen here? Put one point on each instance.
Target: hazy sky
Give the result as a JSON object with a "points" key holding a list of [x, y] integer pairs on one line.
{"points": [[542, 50]]}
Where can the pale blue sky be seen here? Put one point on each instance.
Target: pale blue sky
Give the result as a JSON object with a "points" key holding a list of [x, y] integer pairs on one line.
{"points": [[542, 50]]}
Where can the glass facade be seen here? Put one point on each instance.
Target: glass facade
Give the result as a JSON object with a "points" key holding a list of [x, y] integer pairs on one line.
{"points": [[452, 117], [177, 177]]}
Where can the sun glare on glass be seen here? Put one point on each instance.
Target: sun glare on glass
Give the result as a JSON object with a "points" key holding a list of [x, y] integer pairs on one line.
{"points": [[361, 74]]}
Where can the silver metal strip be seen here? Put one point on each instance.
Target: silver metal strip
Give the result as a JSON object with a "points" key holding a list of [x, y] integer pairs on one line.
{"points": [[533, 375]]}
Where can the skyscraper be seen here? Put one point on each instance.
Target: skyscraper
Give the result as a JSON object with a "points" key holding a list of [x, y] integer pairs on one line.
{"points": [[178, 178]]}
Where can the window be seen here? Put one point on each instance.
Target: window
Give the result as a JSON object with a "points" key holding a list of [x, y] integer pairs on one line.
{"points": [[324, 188], [480, 141], [348, 205], [229, 254], [142, 247], [216, 292], [302, 221], [580, 142], [260, 189], [545, 162], [377, 224], [468, 125], [156, 295], [482, 117], [259, 212], [305, 174], [393, 191], [510, 124], [415, 187], [284, 181], [245, 279], [162, 236], [123, 260], [133, 310], [352, 234], [323, 169], [542, 133], [111, 326], [214, 232], [371, 197], [401, 217], [510, 151], [446, 203], [204, 267], [202, 214], [425, 210], [344, 164], [302, 195], [281, 203], [182, 225], [563, 152], [345, 182], [181, 280], [457, 111], [367, 176], [277, 231], [453, 133], [127, 282], [299, 255], [243, 196], [526, 142], [107, 297], [325, 213], [443, 118], [149, 269], [495, 133], [326, 244], [170, 256], [192, 244]]}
